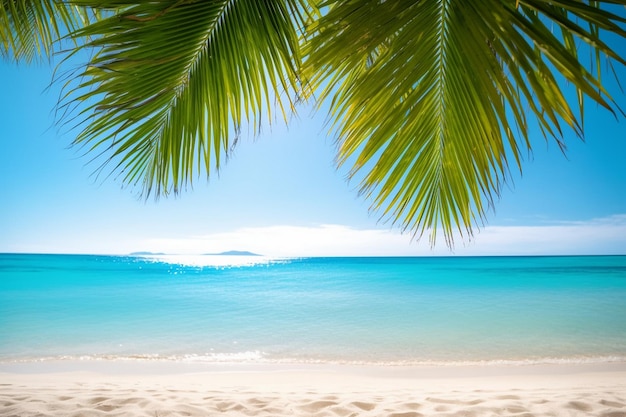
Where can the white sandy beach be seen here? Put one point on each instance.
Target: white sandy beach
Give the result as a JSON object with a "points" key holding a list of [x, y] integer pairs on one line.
{"points": [[169, 389]]}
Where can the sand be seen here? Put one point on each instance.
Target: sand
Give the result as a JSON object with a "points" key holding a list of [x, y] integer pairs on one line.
{"points": [[102, 389]]}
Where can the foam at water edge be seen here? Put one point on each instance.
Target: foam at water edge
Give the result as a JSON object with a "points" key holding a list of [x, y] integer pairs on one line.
{"points": [[257, 357]]}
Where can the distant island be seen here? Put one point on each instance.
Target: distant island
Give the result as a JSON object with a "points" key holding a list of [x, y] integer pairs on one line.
{"points": [[146, 253], [235, 253]]}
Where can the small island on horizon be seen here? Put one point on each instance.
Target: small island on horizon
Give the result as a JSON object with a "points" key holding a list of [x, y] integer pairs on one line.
{"points": [[234, 253]]}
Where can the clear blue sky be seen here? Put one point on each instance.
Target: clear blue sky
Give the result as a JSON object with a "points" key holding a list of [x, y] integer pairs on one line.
{"points": [[280, 194]]}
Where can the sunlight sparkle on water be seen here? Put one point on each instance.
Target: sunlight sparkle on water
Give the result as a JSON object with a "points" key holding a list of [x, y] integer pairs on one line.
{"points": [[213, 260]]}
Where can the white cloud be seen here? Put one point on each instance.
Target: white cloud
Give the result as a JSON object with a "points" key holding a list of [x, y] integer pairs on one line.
{"points": [[597, 236], [593, 237], [323, 240]]}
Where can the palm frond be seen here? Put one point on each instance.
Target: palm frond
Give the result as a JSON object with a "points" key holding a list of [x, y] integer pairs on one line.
{"points": [[172, 82], [29, 29], [431, 100]]}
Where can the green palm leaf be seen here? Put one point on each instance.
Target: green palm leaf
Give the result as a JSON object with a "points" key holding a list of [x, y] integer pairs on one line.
{"points": [[431, 100], [30, 28], [173, 81]]}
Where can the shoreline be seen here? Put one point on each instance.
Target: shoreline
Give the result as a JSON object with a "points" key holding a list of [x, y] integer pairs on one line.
{"points": [[168, 367], [150, 390]]}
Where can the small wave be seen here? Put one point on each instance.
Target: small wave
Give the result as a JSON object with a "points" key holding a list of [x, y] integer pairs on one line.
{"points": [[206, 358], [240, 357], [590, 360], [258, 357]]}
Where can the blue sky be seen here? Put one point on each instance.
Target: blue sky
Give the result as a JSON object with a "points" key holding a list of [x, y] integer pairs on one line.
{"points": [[280, 194]]}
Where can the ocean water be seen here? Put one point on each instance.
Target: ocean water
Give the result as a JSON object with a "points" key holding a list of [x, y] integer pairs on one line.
{"points": [[392, 311]]}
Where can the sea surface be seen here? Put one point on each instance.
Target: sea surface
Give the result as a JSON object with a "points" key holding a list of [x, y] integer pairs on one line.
{"points": [[370, 310]]}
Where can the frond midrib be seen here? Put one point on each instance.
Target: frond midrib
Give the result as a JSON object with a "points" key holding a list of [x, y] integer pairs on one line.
{"points": [[441, 67]]}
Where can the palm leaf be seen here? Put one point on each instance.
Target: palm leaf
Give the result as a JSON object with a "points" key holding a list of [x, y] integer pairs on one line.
{"points": [[173, 81], [30, 29], [431, 100]]}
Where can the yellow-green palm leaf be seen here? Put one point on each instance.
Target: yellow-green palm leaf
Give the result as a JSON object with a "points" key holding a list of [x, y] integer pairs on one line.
{"points": [[431, 100], [29, 29], [173, 81]]}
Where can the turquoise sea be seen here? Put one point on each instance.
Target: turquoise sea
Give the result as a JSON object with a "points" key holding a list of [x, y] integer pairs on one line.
{"points": [[394, 311]]}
